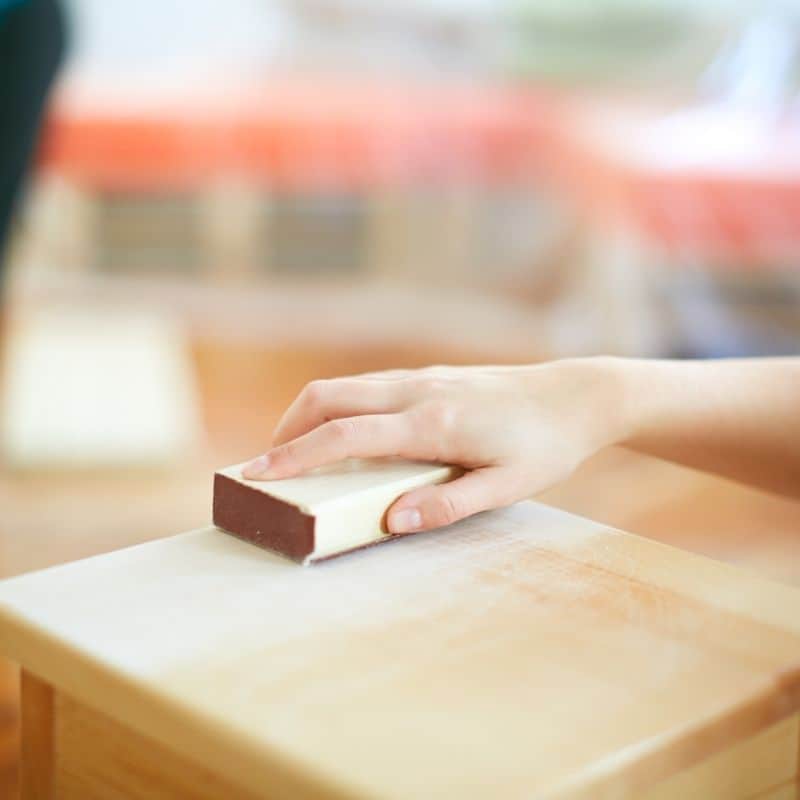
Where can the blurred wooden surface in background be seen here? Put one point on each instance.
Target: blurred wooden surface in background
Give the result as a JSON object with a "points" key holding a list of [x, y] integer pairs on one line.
{"points": [[49, 519]]}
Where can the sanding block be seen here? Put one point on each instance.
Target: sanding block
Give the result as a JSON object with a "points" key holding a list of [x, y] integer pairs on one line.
{"points": [[323, 513]]}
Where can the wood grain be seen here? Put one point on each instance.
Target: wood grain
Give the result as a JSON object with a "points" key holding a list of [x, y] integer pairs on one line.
{"points": [[525, 653], [743, 771], [100, 759], [38, 753], [788, 791]]}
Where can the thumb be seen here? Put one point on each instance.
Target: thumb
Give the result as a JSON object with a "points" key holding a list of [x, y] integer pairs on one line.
{"points": [[434, 506]]}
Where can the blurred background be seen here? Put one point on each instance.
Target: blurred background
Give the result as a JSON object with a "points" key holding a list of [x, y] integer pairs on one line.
{"points": [[207, 205]]}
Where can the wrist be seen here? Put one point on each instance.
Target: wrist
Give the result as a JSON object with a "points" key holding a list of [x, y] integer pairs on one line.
{"points": [[616, 394], [645, 388], [598, 396], [624, 376]]}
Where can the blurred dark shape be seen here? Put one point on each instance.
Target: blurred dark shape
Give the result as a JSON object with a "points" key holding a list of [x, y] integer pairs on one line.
{"points": [[32, 45]]}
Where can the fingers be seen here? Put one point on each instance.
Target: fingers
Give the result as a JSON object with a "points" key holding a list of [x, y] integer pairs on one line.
{"points": [[434, 506], [353, 437], [371, 393], [321, 401]]}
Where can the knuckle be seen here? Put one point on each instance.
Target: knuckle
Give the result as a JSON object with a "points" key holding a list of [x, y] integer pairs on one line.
{"points": [[286, 454], [313, 392], [432, 385], [447, 509], [440, 415], [342, 429]]}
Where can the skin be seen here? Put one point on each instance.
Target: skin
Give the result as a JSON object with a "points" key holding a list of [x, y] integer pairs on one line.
{"points": [[518, 430]]}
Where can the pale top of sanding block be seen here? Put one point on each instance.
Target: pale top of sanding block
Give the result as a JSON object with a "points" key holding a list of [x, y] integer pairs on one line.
{"points": [[316, 489]]}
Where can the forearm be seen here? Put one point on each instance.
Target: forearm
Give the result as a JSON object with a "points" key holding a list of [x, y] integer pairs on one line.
{"points": [[738, 418]]}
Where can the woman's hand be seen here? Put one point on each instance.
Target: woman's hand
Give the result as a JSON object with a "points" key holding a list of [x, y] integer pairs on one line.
{"points": [[517, 430]]}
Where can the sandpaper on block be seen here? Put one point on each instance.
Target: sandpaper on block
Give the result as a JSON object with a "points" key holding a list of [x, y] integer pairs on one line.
{"points": [[323, 513]]}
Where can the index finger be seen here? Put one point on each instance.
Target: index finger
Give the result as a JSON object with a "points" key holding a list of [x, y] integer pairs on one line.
{"points": [[369, 436], [321, 401]]}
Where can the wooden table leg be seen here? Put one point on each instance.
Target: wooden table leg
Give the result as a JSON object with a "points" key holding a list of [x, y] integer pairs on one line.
{"points": [[37, 761]]}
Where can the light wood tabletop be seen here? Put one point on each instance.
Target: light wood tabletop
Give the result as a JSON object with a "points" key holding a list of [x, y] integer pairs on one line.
{"points": [[521, 653]]}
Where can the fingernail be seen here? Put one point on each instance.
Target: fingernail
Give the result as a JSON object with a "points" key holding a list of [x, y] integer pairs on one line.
{"points": [[405, 521], [256, 468]]}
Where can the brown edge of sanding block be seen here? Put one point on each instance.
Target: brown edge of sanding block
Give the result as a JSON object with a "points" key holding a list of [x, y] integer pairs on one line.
{"points": [[262, 520]]}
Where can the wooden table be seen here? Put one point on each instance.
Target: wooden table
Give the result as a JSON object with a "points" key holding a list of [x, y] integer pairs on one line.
{"points": [[523, 653]]}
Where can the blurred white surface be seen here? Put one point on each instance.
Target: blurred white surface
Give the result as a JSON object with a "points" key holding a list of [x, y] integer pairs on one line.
{"points": [[92, 388]]}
